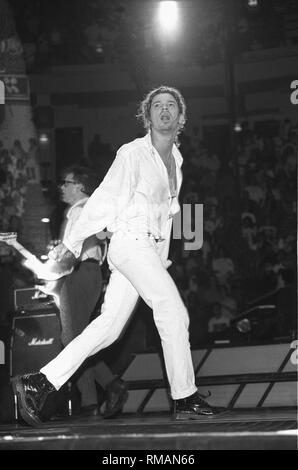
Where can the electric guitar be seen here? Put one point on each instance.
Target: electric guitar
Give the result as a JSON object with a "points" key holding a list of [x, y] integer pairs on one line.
{"points": [[51, 271]]}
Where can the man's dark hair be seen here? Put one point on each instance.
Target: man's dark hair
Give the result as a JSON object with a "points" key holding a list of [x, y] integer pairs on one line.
{"points": [[84, 175]]}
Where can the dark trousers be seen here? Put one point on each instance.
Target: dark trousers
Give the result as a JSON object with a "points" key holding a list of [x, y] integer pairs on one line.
{"points": [[79, 294]]}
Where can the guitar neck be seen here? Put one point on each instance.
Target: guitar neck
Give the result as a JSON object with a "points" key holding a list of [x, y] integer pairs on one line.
{"points": [[50, 271], [23, 251]]}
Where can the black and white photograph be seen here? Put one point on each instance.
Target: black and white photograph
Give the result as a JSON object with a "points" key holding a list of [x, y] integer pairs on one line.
{"points": [[148, 228]]}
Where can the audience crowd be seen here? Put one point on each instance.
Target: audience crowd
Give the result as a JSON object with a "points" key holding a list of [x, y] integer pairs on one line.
{"points": [[249, 224]]}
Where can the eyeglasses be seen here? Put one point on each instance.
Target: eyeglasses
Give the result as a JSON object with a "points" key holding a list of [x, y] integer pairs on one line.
{"points": [[66, 182]]}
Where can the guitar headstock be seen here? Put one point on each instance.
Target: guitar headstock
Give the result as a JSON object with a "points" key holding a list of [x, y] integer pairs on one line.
{"points": [[8, 237]]}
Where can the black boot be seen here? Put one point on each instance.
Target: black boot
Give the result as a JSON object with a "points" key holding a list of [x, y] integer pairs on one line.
{"points": [[117, 394], [193, 407], [31, 391]]}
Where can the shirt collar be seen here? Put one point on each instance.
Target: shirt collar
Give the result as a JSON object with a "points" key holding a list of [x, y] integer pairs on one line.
{"points": [[176, 153], [76, 204]]}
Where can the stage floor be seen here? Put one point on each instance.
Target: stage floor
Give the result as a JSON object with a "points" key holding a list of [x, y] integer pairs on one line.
{"points": [[262, 429]]}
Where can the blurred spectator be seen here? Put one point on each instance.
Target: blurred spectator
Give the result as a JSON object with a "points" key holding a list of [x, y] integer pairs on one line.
{"points": [[223, 267], [268, 279], [218, 321], [228, 303], [256, 193], [249, 230], [211, 291]]}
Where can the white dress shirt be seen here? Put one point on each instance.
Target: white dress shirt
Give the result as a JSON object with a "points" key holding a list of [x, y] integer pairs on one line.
{"points": [[134, 198]]}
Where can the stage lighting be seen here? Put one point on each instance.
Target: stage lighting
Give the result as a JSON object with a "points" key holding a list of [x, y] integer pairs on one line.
{"points": [[237, 127], [168, 16], [99, 48], [43, 139], [252, 3]]}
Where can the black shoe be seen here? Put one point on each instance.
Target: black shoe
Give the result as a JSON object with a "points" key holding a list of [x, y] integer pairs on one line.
{"points": [[117, 395], [193, 407], [31, 391], [87, 412]]}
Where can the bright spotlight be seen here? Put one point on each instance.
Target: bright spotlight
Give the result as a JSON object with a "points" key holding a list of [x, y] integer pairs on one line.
{"points": [[237, 127], [43, 139], [45, 220], [252, 4], [168, 16]]}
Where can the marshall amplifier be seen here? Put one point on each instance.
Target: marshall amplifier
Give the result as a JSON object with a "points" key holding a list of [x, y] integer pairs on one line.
{"points": [[35, 340], [24, 297], [4, 351], [6, 394], [31, 299]]}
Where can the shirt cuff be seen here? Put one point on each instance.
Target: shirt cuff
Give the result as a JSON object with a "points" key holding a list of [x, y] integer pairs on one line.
{"points": [[75, 250]]}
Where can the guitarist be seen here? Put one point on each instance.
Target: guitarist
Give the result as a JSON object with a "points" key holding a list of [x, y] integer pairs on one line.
{"points": [[79, 292]]}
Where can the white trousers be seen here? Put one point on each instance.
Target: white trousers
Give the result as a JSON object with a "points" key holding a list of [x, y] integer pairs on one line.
{"points": [[136, 269]]}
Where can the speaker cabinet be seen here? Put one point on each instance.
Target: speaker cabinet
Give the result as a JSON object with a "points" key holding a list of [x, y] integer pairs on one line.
{"points": [[35, 341], [4, 352], [7, 408]]}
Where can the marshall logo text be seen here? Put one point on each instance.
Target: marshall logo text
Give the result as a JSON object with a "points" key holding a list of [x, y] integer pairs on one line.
{"points": [[41, 342]]}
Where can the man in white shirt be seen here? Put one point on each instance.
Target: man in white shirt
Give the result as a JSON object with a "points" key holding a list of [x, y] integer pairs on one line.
{"points": [[136, 202], [79, 292]]}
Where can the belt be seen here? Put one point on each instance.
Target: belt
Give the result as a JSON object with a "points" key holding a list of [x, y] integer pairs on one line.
{"points": [[135, 236]]}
